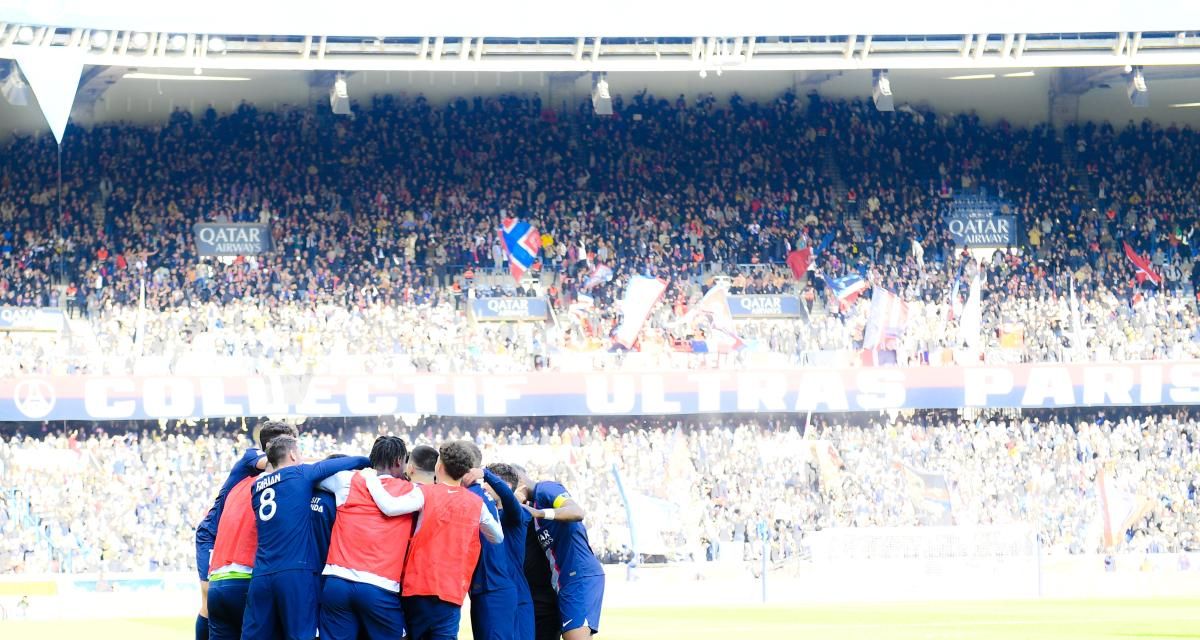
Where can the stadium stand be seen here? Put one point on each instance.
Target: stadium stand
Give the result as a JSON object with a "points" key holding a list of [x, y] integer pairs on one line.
{"points": [[857, 471], [379, 221]]}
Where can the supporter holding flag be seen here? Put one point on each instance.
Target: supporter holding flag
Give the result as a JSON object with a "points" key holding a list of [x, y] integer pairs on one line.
{"points": [[887, 320], [641, 295], [1142, 264], [799, 260], [847, 289], [522, 243], [600, 275]]}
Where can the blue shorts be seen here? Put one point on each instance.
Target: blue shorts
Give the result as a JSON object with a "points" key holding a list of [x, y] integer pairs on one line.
{"points": [[525, 626], [492, 615], [226, 608], [579, 602], [203, 557], [429, 618], [282, 606], [353, 610]]}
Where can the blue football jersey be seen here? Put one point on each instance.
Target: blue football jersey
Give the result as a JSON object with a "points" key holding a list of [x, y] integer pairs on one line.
{"points": [[246, 466], [324, 510], [282, 503], [565, 543]]}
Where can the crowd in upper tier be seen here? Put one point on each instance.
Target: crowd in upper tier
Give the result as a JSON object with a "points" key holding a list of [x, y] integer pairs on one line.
{"points": [[385, 223], [130, 497]]}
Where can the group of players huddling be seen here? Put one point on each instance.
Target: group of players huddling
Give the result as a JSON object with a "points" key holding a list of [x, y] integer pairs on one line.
{"points": [[389, 546]]}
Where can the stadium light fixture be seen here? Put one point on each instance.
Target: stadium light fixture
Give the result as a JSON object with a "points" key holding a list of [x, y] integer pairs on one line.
{"points": [[974, 76], [177, 42], [881, 92], [216, 44], [100, 39], [601, 100], [138, 75], [139, 40], [25, 35], [1020, 74], [1184, 105], [339, 96], [1136, 89]]}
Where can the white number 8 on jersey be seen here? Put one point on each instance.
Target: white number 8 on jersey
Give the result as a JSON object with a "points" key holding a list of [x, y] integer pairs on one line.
{"points": [[266, 504]]}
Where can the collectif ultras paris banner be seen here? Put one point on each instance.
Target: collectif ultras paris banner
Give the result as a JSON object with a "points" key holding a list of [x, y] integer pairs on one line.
{"points": [[560, 393]]}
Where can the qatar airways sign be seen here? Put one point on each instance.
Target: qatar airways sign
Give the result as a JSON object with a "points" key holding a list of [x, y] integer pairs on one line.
{"points": [[510, 309], [983, 229], [764, 306], [231, 238], [561, 393]]}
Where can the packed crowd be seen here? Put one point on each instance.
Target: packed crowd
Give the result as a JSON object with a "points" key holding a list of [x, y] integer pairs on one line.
{"points": [[377, 219], [129, 500]]}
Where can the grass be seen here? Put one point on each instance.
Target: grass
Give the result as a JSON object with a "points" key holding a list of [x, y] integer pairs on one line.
{"points": [[1030, 620]]}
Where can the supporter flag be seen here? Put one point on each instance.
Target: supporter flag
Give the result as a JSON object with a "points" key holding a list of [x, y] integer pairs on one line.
{"points": [[887, 320], [971, 324], [654, 523], [720, 334], [600, 275], [918, 252], [1012, 336], [522, 243], [799, 260], [1144, 272], [848, 288], [1117, 509], [641, 294], [956, 304], [930, 494]]}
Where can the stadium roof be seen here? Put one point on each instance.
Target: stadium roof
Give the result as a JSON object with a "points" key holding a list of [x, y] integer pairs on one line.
{"points": [[609, 18], [629, 35]]}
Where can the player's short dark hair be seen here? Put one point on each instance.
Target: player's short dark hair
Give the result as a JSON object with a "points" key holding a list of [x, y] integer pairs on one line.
{"points": [[388, 451], [279, 447], [457, 458], [505, 472], [335, 456], [272, 429], [424, 458]]}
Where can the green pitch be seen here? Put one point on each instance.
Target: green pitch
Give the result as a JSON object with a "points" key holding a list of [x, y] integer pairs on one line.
{"points": [[1041, 620]]}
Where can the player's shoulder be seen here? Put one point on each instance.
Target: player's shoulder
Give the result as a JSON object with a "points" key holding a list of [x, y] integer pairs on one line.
{"points": [[550, 488]]}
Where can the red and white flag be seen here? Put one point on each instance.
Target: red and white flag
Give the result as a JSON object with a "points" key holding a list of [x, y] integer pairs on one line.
{"points": [[1144, 271]]}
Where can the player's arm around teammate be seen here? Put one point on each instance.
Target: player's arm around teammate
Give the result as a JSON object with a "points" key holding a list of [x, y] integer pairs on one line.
{"points": [[282, 601], [252, 462], [360, 598]]}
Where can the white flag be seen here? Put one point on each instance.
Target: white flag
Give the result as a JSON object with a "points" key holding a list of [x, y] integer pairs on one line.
{"points": [[641, 295], [971, 325]]}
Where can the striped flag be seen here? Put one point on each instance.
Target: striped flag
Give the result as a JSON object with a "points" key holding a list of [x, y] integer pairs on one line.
{"points": [[847, 289], [522, 244], [887, 320]]}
